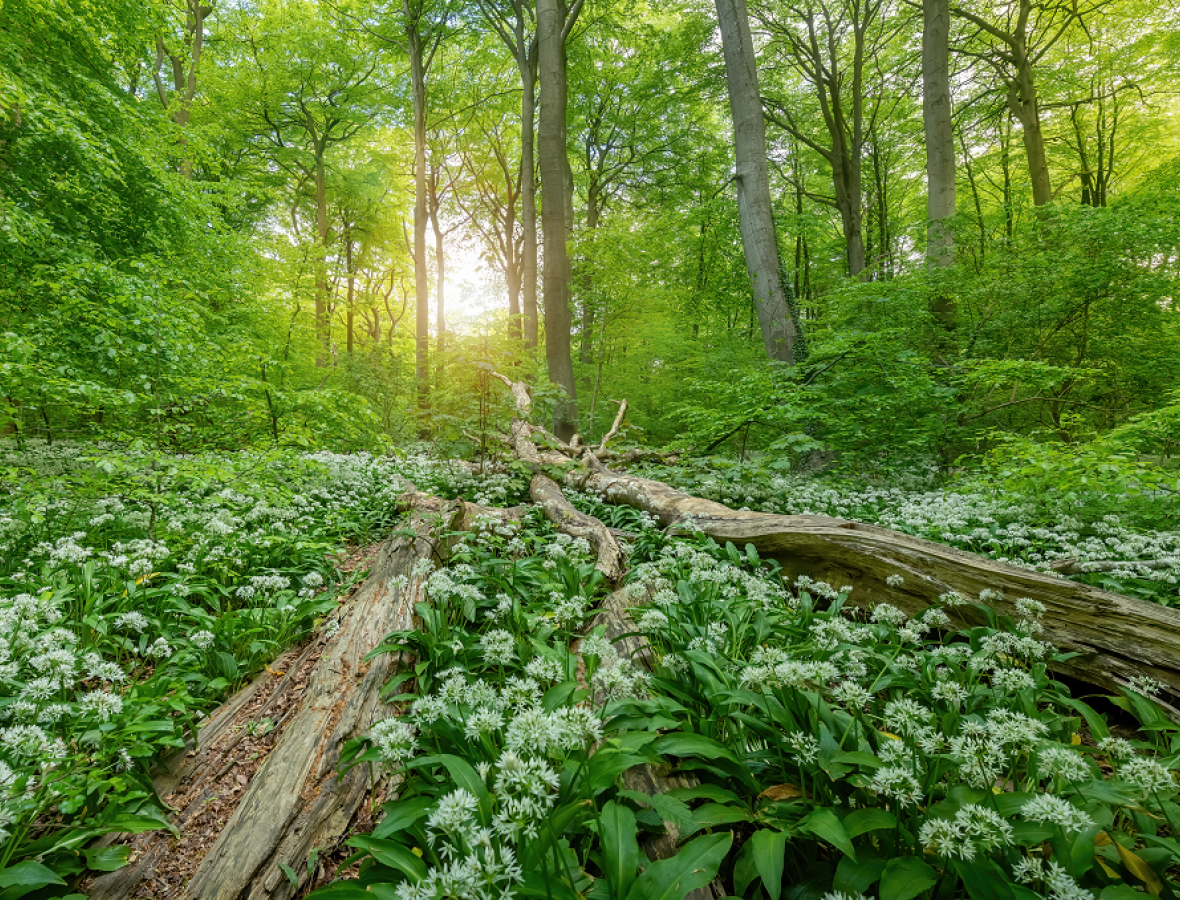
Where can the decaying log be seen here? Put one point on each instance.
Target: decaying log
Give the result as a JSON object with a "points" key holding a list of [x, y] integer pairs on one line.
{"points": [[546, 494], [296, 801], [1116, 638]]}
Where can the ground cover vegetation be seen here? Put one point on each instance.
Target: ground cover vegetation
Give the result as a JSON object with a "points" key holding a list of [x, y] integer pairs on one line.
{"points": [[817, 769], [260, 264]]}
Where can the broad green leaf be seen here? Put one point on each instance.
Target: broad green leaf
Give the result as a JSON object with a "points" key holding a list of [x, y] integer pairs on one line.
{"points": [[392, 854], [861, 821], [29, 874], [905, 877], [984, 880], [693, 867], [824, 825], [401, 814], [620, 847], [769, 855], [686, 744], [107, 859], [854, 877]]}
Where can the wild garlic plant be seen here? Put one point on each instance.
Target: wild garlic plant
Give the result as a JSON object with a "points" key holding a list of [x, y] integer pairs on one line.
{"points": [[136, 590], [507, 758], [909, 758]]}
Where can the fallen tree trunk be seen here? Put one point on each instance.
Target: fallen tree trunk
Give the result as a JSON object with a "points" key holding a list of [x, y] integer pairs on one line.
{"points": [[295, 802], [1117, 638]]}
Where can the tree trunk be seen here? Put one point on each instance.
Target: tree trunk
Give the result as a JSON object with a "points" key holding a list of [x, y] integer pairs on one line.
{"points": [[351, 314], [753, 183], [321, 264], [1024, 104], [421, 284], [528, 197], [440, 275], [551, 145], [940, 139]]}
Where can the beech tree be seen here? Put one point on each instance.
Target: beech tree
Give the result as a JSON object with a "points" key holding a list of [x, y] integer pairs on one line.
{"points": [[1013, 44], [836, 47], [753, 183], [555, 20], [515, 23], [303, 88], [939, 131]]}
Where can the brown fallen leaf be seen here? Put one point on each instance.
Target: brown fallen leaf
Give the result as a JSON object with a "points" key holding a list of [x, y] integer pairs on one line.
{"points": [[782, 792]]}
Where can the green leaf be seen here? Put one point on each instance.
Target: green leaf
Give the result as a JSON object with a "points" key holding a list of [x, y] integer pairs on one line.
{"points": [[620, 847], [401, 814], [392, 854], [29, 874], [824, 825], [854, 877], [693, 867], [686, 744], [675, 811], [107, 859], [906, 877], [985, 880], [769, 855], [861, 821], [290, 873]]}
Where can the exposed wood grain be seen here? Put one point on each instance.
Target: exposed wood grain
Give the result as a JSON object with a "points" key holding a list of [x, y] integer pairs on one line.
{"points": [[1117, 637]]}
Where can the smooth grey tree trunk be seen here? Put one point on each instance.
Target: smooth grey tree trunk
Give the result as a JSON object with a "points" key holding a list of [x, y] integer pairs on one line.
{"points": [[556, 193], [753, 182], [418, 65], [940, 134]]}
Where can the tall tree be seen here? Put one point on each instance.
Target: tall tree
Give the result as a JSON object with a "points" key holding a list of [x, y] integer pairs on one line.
{"points": [[759, 239], [1013, 46], [554, 22], [836, 45], [305, 86], [514, 22], [939, 130], [424, 24]]}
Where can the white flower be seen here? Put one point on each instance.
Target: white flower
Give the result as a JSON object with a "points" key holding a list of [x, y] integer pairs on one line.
{"points": [[1148, 775], [102, 704], [1055, 761], [394, 739], [202, 640], [131, 621], [1049, 809], [1028, 869], [805, 746], [896, 783], [499, 647], [159, 648]]}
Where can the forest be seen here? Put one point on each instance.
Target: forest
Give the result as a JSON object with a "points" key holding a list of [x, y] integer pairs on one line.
{"points": [[590, 449]]}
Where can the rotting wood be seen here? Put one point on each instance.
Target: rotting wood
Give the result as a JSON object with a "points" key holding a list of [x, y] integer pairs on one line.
{"points": [[296, 801], [1116, 638], [546, 494]]}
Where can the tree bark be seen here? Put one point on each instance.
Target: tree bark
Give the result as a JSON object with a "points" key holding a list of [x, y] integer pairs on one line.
{"points": [[940, 137], [753, 183], [413, 10], [557, 201], [322, 333]]}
